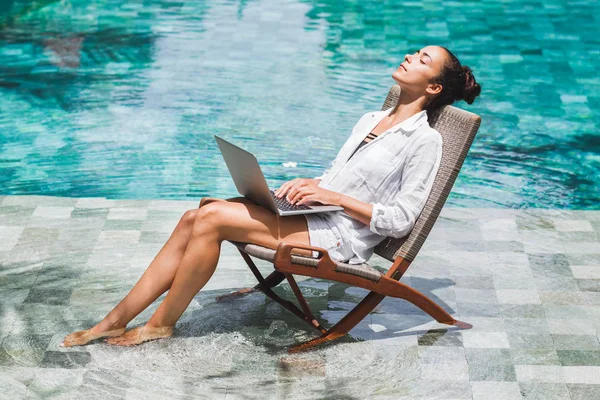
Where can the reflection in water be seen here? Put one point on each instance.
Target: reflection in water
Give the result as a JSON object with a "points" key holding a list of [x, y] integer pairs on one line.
{"points": [[121, 99]]}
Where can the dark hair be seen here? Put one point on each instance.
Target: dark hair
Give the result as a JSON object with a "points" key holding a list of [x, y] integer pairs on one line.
{"points": [[458, 83]]}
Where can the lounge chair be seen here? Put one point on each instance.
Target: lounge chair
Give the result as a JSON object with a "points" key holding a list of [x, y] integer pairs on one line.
{"points": [[458, 128]]}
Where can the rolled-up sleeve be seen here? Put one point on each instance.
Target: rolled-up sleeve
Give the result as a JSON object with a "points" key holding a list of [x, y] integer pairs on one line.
{"points": [[398, 218]]}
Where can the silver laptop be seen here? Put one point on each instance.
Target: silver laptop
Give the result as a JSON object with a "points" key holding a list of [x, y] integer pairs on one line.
{"points": [[251, 183]]}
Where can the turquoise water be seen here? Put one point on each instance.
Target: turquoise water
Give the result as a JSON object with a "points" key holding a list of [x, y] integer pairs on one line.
{"points": [[121, 99]]}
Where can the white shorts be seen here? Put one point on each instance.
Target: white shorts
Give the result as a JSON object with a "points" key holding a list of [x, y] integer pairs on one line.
{"points": [[324, 233]]}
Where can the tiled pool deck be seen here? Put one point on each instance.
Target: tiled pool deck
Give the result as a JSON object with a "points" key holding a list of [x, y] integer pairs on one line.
{"points": [[528, 280]]}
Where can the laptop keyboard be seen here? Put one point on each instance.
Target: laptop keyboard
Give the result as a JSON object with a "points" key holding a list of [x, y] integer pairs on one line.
{"points": [[285, 205]]}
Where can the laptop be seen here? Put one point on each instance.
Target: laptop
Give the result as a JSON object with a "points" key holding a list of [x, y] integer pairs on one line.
{"points": [[251, 183]]}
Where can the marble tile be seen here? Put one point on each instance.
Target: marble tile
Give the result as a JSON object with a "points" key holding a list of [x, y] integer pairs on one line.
{"points": [[490, 365], [572, 225], [540, 373], [485, 340], [127, 213], [518, 296], [544, 391], [586, 271], [583, 391], [495, 390], [9, 237], [571, 326], [561, 297], [582, 374], [579, 357], [530, 341], [525, 356], [52, 212], [576, 342]]}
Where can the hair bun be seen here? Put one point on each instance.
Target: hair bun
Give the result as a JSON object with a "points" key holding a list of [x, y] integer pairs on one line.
{"points": [[472, 88]]}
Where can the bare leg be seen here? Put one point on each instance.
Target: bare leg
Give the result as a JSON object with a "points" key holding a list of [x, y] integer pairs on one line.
{"points": [[239, 222], [156, 280]]}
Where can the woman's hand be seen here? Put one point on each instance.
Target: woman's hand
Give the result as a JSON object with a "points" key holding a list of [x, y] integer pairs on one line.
{"points": [[302, 193], [294, 184]]}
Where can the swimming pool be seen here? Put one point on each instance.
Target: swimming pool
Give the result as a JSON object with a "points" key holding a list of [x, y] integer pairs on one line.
{"points": [[121, 99]]}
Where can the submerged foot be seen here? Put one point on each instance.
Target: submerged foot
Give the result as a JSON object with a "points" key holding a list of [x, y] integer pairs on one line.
{"points": [[141, 334], [83, 337]]}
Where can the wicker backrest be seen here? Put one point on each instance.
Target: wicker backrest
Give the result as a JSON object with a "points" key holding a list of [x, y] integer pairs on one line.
{"points": [[458, 128]]}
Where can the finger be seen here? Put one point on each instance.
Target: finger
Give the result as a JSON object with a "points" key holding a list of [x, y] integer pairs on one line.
{"points": [[281, 191], [299, 195], [288, 187], [293, 192], [306, 199]]}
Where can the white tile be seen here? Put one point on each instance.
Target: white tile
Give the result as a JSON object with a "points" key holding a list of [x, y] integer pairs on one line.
{"points": [[586, 271], [127, 213], [9, 237], [572, 225], [582, 247], [540, 373], [458, 371], [503, 224], [170, 205], [485, 340], [495, 390], [52, 212], [126, 236], [93, 202], [584, 375], [475, 295], [518, 296], [499, 235], [486, 324]]}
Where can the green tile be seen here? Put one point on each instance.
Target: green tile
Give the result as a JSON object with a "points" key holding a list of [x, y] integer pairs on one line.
{"points": [[544, 391], [576, 342], [523, 311], [579, 357], [440, 337], [490, 365], [589, 285], [524, 356], [522, 341], [89, 212], [584, 392], [478, 309]]}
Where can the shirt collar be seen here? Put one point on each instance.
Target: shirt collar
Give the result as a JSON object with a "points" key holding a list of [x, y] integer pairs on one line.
{"points": [[408, 125]]}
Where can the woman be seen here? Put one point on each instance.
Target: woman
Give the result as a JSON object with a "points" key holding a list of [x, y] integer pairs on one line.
{"points": [[382, 191]]}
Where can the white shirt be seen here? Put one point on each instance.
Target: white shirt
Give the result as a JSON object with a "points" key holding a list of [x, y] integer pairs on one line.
{"points": [[394, 173]]}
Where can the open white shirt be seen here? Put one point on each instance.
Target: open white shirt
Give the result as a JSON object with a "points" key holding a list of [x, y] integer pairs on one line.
{"points": [[394, 173]]}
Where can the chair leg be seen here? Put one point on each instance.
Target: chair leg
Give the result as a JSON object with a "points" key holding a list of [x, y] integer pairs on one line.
{"points": [[274, 279], [344, 326], [399, 290], [434, 310]]}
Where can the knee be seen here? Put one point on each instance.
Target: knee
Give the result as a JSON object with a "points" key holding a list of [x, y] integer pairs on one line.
{"points": [[189, 217], [206, 218]]}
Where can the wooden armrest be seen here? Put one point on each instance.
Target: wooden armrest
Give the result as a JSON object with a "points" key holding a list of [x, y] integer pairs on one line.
{"points": [[283, 255]]}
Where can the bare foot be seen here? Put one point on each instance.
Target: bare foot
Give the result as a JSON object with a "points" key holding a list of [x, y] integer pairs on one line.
{"points": [[141, 334], [83, 337]]}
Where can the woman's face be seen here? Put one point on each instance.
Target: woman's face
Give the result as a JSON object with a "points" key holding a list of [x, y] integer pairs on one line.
{"points": [[416, 73]]}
